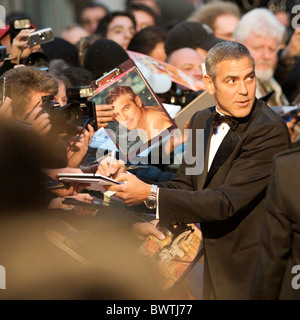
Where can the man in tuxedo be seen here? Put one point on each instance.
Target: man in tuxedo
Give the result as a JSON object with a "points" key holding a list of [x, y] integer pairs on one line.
{"points": [[227, 196], [277, 270]]}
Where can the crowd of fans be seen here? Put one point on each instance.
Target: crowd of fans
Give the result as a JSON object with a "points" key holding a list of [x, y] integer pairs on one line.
{"points": [[36, 145]]}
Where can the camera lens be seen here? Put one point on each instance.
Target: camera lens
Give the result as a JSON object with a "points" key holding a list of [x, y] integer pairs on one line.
{"points": [[73, 114]]}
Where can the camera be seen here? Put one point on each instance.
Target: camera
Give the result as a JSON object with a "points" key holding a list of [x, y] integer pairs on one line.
{"points": [[2, 53], [78, 112], [40, 37], [16, 25], [179, 96], [80, 95]]}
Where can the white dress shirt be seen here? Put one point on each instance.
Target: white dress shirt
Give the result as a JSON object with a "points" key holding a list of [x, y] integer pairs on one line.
{"points": [[216, 140], [215, 143]]}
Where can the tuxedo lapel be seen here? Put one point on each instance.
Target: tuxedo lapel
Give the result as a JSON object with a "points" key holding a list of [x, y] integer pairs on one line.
{"points": [[207, 136], [225, 150], [228, 144]]}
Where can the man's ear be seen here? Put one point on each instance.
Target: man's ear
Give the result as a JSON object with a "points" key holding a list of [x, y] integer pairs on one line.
{"points": [[138, 101], [210, 87]]}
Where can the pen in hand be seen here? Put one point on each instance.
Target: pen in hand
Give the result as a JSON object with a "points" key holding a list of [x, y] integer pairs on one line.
{"points": [[112, 159]]}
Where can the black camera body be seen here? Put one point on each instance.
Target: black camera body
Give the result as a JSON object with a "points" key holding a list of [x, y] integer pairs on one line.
{"points": [[79, 96], [180, 96], [78, 112]]}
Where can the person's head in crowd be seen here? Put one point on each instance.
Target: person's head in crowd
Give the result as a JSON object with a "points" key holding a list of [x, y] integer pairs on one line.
{"points": [[63, 84], [119, 26], [150, 41], [221, 16], [74, 33], [284, 12], [103, 56], [261, 32], [191, 35], [284, 18], [149, 3], [78, 76], [89, 15], [61, 96], [68, 77], [57, 65], [61, 49], [144, 16], [26, 86], [189, 61]]}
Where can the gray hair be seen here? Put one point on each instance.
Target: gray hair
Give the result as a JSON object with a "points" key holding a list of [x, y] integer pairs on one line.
{"points": [[227, 50], [262, 22]]}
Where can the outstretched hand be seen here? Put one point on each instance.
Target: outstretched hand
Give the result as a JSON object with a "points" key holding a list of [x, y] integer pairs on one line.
{"points": [[132, 191]]}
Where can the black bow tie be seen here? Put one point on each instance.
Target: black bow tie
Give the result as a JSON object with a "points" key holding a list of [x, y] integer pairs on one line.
{"points": [[217, 119]]}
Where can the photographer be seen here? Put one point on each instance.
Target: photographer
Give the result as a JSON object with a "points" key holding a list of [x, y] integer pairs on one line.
{"points": [[27, 86], [18, 50]]}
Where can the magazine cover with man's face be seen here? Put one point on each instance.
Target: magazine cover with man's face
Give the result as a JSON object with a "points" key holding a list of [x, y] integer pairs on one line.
{"points": [[140, 119]]}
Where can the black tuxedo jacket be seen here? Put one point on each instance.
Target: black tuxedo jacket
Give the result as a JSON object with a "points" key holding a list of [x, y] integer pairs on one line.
{"points": [[279, 252], [227, 201]]}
